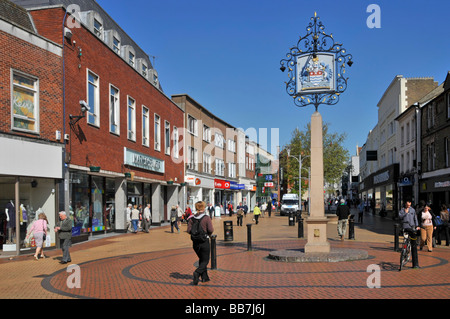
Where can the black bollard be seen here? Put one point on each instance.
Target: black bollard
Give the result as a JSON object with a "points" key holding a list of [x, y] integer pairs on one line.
{"points": [[213, 252], [351, 227], [291, 219], [249, 237], [396, 234], [300, 228]]}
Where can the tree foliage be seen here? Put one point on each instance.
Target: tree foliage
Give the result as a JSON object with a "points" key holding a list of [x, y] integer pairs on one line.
{"points": [[335, 156]]}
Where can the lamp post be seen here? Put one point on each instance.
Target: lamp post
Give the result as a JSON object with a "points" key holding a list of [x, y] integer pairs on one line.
{"points": [[316, 68], [300, 161]]}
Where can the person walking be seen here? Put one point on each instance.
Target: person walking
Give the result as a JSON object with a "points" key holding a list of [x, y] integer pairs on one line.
{"points": [[174, 219], [240, 216], [256, 213], [134, 218], [343, 213], [64, 230], [147, 215], [39, 229], [427, 226], [360, 212], [200, 228], [211, 210], [444, 214], [179, 214], [128, 217], [269, 208], [410, 224]]}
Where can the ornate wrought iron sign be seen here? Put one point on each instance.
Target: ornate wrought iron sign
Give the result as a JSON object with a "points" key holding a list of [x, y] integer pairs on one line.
{"points": [[316, 67]]}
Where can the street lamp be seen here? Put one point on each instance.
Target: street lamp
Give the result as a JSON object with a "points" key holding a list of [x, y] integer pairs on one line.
{"points": [[300, 161]]}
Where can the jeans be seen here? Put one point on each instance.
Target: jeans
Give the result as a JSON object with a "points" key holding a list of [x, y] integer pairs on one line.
{"points": [[135, 224], [342, 227], [174, 223]]}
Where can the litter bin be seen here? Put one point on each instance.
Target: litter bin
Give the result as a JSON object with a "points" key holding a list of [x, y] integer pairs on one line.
{"points": [[291, 219], [228, 230]]}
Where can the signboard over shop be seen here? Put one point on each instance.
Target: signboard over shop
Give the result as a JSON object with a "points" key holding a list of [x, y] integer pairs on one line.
{"points": [[143, 161], [223, 184]]}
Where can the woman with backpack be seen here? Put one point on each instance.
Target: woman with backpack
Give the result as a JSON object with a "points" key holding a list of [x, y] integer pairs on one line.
{"points": [[200, 228]]}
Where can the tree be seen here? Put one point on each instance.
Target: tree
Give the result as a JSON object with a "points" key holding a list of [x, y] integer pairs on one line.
{"points": [[335, 156]]}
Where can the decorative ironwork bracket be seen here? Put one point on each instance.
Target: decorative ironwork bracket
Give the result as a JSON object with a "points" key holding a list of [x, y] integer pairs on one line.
{"points": [[316, 41]]}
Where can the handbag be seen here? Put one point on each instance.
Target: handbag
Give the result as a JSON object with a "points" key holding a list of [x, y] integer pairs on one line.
{"points": [[438, 221]]}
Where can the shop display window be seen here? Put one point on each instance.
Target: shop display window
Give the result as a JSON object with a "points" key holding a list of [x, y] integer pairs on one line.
{"points": [[35, 196]]}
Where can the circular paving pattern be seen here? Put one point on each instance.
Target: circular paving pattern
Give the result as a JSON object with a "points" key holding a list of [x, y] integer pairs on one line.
{"points": [[250, 274]]}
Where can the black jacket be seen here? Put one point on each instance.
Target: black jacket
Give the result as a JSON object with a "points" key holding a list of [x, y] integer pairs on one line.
{"points": [[343, 211]]}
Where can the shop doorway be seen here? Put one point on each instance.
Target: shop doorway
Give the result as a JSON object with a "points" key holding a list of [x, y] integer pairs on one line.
{"points": [[135, 200]]}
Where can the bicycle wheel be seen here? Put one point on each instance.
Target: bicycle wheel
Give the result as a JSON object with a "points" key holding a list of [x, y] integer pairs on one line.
{"points": [[405, 254], [408, 252]]}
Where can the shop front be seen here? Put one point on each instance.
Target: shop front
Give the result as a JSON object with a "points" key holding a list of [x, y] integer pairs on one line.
{"points": [[436, 191], [30, 175], [199, 188], [385, 190], [92, 203]]}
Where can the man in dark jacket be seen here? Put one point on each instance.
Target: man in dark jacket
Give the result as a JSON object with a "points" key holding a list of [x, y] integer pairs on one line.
{"points": [[343, 213], [64, 231]]}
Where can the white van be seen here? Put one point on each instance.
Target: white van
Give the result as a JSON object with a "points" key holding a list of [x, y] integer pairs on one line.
{"points": [[289, 203]]}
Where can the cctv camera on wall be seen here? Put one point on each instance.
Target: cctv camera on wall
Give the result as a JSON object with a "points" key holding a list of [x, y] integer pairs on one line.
{"points": [[84, 106]]}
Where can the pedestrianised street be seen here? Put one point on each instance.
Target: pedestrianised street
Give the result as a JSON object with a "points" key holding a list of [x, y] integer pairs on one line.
{"points": [[159, 265]]}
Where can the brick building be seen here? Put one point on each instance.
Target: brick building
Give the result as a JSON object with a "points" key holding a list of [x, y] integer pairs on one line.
{"points": [[215, 156], [434, 160], [31, 125], [119, 125]]}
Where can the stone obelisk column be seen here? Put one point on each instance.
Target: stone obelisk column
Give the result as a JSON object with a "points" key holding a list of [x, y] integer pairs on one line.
{"points": [[316, 223]]}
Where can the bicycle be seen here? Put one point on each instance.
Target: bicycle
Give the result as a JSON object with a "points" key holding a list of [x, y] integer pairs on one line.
{"points": [[405, 253]]}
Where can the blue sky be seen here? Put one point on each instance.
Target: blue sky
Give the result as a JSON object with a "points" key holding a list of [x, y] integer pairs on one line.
{"points": [[226, 55]]}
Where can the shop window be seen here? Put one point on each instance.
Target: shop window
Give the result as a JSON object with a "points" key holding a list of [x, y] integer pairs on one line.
{"points": [[36, 196], [97, 191], [110, 211], [80, 203], [25, 102]]}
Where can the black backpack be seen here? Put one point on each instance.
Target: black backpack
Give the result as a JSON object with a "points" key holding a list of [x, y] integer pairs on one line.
{"points": [[198, 235]]}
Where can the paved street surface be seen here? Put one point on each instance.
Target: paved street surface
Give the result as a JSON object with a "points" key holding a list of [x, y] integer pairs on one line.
{"points": [[159, 265]]}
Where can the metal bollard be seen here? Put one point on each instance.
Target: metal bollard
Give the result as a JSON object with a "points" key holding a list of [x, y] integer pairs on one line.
{"points": [[291, 219], [213, 252], [396, 234], [351, 227], [300, 228], [249, 237]]}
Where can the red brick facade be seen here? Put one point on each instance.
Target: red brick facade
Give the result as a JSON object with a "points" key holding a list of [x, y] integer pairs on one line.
{"points": [[29, 59], [91, 145]]}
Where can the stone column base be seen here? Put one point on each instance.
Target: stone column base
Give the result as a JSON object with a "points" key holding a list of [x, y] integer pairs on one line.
{"points": [[316, 230]]}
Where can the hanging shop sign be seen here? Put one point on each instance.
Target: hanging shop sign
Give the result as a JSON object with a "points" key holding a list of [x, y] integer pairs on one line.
{"points": [[143, 161]]}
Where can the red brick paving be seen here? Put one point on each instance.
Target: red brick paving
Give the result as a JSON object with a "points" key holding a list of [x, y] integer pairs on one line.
{"points": [[159, 265]]}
